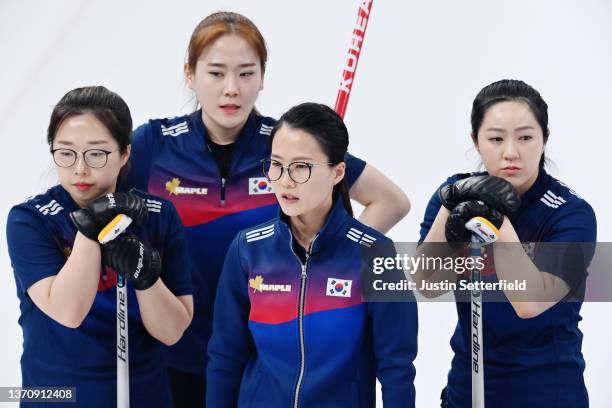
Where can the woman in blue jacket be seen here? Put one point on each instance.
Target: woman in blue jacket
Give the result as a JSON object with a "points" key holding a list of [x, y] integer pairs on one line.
{"points": [[66, 280], [290, 326], [208, 164], [531, 340]]}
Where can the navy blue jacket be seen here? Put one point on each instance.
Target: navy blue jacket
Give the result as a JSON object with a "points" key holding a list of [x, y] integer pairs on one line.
{"points": [[528, 362], [40, 237]]}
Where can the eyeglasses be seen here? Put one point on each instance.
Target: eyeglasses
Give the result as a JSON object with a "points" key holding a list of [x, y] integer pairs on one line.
{"points": [[298, 171], [95, 158]]}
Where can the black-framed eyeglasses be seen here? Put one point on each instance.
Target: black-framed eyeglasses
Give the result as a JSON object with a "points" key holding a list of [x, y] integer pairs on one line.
{"points": [[298, 171], [95, 158]]}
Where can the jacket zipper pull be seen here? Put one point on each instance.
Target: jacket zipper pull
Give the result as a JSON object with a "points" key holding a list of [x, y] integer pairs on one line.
{"points": [[222, 191]]}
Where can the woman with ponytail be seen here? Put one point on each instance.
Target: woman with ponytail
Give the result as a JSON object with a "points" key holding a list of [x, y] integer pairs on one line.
{"points": [[291, 327]]}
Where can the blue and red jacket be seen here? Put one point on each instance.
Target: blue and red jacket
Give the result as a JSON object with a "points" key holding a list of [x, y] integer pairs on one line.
{"points": [[171, 159], [537, 361], [288, 333]]}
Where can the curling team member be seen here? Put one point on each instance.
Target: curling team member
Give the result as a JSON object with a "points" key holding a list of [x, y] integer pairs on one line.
{"points": [[67, 297], [290, 327], [208, 164], [532, 343]]}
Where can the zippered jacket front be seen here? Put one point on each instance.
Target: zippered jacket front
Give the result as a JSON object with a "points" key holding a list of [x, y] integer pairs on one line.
{"points": [[292, 333], [171, 159]]}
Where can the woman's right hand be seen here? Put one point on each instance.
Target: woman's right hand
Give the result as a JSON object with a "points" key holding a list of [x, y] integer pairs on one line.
{"points": [[105, 208], [494, 191], [90, 221]]}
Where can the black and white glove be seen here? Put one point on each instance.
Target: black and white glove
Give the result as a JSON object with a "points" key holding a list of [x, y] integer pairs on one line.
{"points": [[494, 191], [455, 230], [128, 256], [90, 221], [107, 207]]}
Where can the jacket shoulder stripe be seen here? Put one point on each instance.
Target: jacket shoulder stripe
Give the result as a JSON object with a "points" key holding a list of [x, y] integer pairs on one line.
{"points": [[154, 205], [52, 203], [352, 238], [182, 124], [360, 237], [351, 234], [256, 231], [556, 197], [50, 208], [174, 134], [175, 130], [552, 200], [265, 129], [548, 203], [262, 236]]}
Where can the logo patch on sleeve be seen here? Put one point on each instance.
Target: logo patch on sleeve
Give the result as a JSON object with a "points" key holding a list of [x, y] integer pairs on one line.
{"points": [[259, 185], [339, 287]]}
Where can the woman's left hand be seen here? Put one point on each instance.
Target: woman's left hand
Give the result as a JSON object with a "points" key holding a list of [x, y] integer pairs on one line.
{"points": [[128, 256]]}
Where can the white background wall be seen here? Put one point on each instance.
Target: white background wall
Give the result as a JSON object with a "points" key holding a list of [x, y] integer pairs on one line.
{"points": [[422, 64]]}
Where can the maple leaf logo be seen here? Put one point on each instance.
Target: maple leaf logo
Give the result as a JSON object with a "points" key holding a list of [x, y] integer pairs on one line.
{"points": [[172, 185], [256, 283]]}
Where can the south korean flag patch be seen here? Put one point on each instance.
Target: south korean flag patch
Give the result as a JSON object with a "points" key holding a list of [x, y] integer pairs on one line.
{"points": [[339, 287], [259, 185]]}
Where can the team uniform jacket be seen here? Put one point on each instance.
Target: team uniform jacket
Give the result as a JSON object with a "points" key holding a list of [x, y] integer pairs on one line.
{"points": [[288, 334], [40, 239], [170, 158], [529, 362]]}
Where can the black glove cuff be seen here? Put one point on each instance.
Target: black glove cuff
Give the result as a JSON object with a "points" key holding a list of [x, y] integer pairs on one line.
{"points": [[85, 222], [456, 234], [144, 282], [445, 194]]}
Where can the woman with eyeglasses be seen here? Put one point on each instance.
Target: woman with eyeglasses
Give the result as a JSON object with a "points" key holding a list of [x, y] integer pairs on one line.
{"points": [[290, 325], [66, 280], [208, 164]]}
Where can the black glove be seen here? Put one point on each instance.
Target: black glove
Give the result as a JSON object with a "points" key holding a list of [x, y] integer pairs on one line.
{"points": [[128, 256], [86, 223], [494, 191], [455, 230], [107, 207]]}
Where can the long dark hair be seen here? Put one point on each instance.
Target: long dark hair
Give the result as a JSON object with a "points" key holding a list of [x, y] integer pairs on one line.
{"points": [[328, 129], [510, 90]]}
